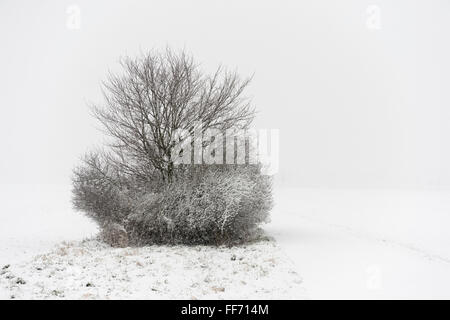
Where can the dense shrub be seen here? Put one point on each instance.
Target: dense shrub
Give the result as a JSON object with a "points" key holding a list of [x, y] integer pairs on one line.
{"points": [[205, 205], [158, 108], [99, 196], [215, 206]]}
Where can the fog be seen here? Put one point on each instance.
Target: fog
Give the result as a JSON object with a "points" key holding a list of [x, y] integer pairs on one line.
{"points": [[360, 95]]}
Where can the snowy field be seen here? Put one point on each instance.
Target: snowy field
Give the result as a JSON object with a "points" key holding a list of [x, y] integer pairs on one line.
{"points": [[92, 270], [34, 218], [42, 257], [334, 244], [367, 244]]}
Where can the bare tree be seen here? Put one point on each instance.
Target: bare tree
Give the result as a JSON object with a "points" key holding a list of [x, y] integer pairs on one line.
{"points": [[158, 94]]}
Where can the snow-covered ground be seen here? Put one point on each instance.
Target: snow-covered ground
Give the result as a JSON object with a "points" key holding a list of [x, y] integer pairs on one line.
{"points": [[374, 244], [35, 219], [342, 244], [93, 270]]}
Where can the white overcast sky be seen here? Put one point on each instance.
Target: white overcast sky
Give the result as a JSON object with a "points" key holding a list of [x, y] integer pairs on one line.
{"points": [[356, 106]]}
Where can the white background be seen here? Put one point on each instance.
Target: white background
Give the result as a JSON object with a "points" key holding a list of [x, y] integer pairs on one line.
{"points": [[356, 107]]}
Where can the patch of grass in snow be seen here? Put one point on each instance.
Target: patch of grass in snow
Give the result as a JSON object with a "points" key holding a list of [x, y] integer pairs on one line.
{"points": [[90, 269]]}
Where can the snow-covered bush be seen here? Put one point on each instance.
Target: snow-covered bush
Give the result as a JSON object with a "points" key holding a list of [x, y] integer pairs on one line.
{"points": [[160, 104], [212, 206], [97, 192], [205, 205]]}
